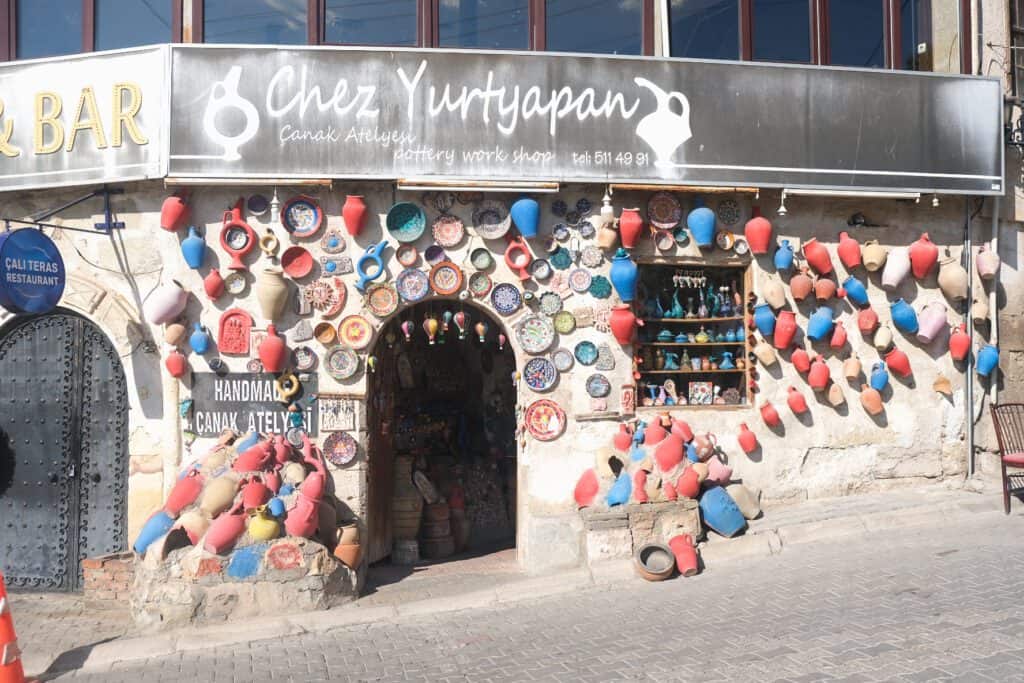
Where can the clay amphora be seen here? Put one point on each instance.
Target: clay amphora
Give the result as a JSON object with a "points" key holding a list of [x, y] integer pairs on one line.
{"points": [[176, 363], [883, 338], [988, 360], [836, 396], [747, 439], [838, 340], [959, 342], [820, 324], [688, 484], [818, 377], [817, 256], [681, 429], [225, 530], [669, 452], [254, 458], [705, 445], [851, 367], [785, 330], [185, 492], [758, 232], [282, 449], [195, 524], [623, 439], [784, 256], [796, 401], [953, 279], [685, 554], [718, 471], [898, 362], [879, 379], [770, 415], [874, 255], [855, 291], [354, 214], [848, 251], [904, 317], [867, 320], [175, 334], [801, 285], [623, 323], [765, 353], [272, 351], [654, 433], [213, 285], [870, 399], [987, 263], [774, 293], [979, 309], [720, 513], [897, 267], [218, 495], [931, 321], [801, 360], [586, 488], [824, 288], [923, 256], [175, 211], [630, 225], [254, 494], [272, 293], [155, 527]]}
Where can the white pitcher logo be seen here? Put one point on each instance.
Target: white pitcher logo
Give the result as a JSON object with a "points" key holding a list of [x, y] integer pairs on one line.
{"points": [[664, 130], [224, 94]]}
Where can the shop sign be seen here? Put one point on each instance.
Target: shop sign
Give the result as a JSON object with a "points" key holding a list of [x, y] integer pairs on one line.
{"points": [[246, 402], [32, 275], [82, 119], [392, 113]]}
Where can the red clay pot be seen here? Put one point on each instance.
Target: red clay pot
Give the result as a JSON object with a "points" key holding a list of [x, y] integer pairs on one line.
{"points": [[175, 211], [770, 415], [254, 494], [848, 251], [838, 340], [282, 449], [867, 320], [273, 481], [623, 439], [824, 288], [801, 285], [801, 360], [630, 225], [654, 433], [817, 256], [623, 323], [254, 458], [959, 342], [354, 213], [669, 490], [758, 233], [669, 452], [586, 488], [682, 429], [923, 256], [747, 438], [785, 330], [688, 483], [213, 285], [819, 376], [796, 401], [639, 484], [272, 351], [225, 530], [898, 362], [685, 554], [185, 492], [176, 363]]}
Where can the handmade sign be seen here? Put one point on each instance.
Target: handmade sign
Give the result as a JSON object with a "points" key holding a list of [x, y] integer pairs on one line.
{"points": [[247, 402]]}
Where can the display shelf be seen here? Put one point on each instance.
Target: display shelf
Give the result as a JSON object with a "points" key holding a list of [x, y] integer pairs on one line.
{"points": [[730, 319]]}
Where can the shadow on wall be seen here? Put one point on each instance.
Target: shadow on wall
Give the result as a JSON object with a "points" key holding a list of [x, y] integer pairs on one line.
{"points": [[6, 463]]}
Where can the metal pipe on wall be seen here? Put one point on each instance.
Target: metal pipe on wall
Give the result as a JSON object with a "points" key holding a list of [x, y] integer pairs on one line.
{"points": [[969, 375], [993, 302]]}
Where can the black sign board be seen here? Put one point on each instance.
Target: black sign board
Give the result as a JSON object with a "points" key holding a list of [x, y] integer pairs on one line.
{"points": [[245, 402], [414, 114]]}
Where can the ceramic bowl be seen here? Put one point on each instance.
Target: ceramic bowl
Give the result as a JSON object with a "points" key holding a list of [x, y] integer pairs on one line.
{"points": [[297, 262], [654, 561], [325, 333], [481, 258]]}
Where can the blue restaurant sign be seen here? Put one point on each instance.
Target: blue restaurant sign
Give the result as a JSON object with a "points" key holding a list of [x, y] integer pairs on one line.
{"points": [[32, 272]]}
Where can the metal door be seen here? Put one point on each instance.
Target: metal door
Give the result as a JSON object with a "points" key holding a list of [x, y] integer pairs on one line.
{"points": [[64, 406]]}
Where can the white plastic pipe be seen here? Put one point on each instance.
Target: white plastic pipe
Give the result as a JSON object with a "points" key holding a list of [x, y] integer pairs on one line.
{"points": [[993, 300]]}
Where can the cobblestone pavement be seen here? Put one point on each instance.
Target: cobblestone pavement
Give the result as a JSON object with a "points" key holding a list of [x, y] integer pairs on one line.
{"points": [[940, 602]]}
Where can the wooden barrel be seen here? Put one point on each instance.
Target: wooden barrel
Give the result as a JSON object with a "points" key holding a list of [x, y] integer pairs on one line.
{"points": [[437, 512], [405, 552], [406, 503], [436, 548], [405, 524], [437, 529]]}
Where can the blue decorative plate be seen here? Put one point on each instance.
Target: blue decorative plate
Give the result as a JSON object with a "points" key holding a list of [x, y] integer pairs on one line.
{"points": [[540, 374], [302, 216], [586, 353], [412, 284], [559, 207], [598, 386], [560, 258], [406, 221], [506, 298], [600, 287]]}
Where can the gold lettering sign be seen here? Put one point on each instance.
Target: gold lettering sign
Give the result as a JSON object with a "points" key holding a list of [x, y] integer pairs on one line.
{"points": [[6, 148], [49, 127], [51, 120]]}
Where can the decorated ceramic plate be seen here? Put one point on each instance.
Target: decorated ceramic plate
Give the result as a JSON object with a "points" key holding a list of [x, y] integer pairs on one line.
{"points": [[491, 219], [560, 232], [565, 322], [664, 210], [586, 353], [446, 278], [355, 331], [598, 386], [535, 334], [481, 258], [550, 303], [302, 216], [563, 360], [382, 299], [479, 284], [600, 287], [560, 258], [559, 207], [725, 240], [591, 256], [294, 436], [340, 448], [406, 221], [587, 230], [305, 358], [333, 242], [340, 296], [545, 420], [540, 269], [583, 205], [729, 211], [506, 298], [741, 247], [448, 230], [435, 254], [412, 284], [540, 374], [341, 362], [664, 240], [234, 283], [579, 280], [323, 296], [406, 255]]}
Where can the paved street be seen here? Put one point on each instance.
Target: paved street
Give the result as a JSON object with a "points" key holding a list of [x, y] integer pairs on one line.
{"points": [[919, 604]]}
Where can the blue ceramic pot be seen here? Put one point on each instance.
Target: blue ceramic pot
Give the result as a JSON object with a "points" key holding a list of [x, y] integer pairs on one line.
{"points": [[199, 340], [623, 275], [526, 215], [820, 324], [879, 376], [276, 507], [701, 222], [764, 318], [741, 334], [720, 512], [784, 256], [193, 248], [726, 363], [286, 490], [155, 527], [619, 493], [988, 360], [691, 452], [904, 317], [856, 291], [246, 441]]}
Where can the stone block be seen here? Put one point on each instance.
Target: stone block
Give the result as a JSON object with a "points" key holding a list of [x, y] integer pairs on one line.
{"points": [[554, 542]]}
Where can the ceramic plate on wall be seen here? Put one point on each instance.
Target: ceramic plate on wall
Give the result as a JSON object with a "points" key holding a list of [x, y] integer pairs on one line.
{"points": [[550, 303], [491, 219], [355, 331], [579, 280], [565, 322], [333, 241], [341, 363], [305, 358], [591, 256], [479, 284], [481, 258], [446, 278], [536, 334], [664, 210], [406, 255], [406, 221], [412, 284], [448, 230], [540, 374], [382, 299], [340, 448], [302, 216], [545, 420], [598, 386], [563, 360], [506, 298], [586, 353]]}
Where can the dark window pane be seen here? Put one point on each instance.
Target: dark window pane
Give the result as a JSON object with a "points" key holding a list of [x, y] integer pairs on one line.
{"points": [[856, 32], [127, 23], [930, 35], [47, 28], [705, 29], [371, 22], [782, 30], [607, 27], [277, 22], [486, 24]]}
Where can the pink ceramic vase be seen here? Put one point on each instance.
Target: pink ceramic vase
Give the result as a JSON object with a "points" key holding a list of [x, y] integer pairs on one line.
{"points": [[225, 530]]}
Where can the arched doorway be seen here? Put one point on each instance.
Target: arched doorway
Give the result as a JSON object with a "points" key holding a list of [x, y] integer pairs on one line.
{"points": [[447, 410], [64, 417]]}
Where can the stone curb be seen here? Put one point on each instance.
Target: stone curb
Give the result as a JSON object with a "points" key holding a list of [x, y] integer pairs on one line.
{"points": [[759, 542]]}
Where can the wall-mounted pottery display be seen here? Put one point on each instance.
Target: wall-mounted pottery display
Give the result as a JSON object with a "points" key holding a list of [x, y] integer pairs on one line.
{"points": [[586, 353], [333, 242], [579, 280], [479, 284], [600, 287], [233, 332], [165, 303], [591, 256], [175, 211], [758, 232], [848, 251], [630, 226], [304, 358], [664, 210], [340, 448], [988, 360], [817, 256], [407, 255], [923, 256], [302, 216], [273, 352], [873, 255], [550, 303], [341, 363], [540, 374], [354, 212], [987, 262], [199, 341], [370, 265], [545, 420], [269, 244], [193, 248], [236, 237], [897, 267], [325, 334], [297, 262], [563, 359], [491, 220], [382, 299], [272, 293], [540, 269], [448, 230], [355, 331], [446, 278], [565, 322], [412, 284], [525, 213], [330, 266], [536, 334], [481, 258], [784, 256], [506, 298], [213, 285], [598, 386]]}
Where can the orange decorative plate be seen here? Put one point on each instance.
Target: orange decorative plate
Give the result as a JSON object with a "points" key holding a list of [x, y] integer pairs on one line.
{"points": [[445, 278], [545, 420], [355, 331]]}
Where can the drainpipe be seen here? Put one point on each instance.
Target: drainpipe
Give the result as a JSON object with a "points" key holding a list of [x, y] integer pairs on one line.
{"points": [[969, 383], [993, 390]]}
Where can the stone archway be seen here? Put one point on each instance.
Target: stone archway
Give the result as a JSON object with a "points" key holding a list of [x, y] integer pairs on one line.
{"points": [[478, 373]]}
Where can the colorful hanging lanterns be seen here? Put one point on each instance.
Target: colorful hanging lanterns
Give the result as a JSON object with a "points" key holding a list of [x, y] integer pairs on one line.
{"points": [[481, 331], [431, 326]]}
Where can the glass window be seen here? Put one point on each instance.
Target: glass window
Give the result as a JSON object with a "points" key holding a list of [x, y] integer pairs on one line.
{"points": [[781, 30], [601, 27], [705, 29], [47, 28], [276, 22], [127, 23], [485, 24], [930, 35], [856, 33], [371, 22]]}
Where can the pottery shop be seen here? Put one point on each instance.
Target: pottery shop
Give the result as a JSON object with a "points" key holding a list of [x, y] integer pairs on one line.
{"points": [[331, 308]]}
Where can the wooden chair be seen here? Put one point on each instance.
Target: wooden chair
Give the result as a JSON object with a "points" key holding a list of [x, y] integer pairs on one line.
{"points": [[1009, 422]]}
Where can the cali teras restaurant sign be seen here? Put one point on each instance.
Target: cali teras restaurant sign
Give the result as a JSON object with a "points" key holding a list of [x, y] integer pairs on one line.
{"points": [[366, 113]]}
